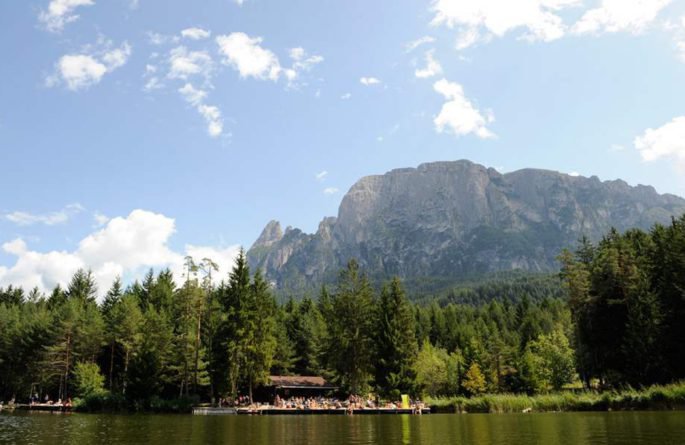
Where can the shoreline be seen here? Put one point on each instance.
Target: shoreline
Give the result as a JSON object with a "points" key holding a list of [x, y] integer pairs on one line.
{"points": [[654, 398]]}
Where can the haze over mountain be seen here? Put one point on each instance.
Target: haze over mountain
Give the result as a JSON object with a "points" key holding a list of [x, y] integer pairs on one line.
{"points": [[452, 220]]}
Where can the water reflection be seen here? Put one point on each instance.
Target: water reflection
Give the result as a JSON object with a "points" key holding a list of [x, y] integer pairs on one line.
{"points": [[640, 428]]}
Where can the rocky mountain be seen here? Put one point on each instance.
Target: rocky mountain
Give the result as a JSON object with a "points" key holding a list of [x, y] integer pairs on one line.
{"points": [[451, 220]]}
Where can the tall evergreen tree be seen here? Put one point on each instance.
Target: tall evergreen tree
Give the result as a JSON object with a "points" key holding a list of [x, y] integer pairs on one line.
{"points": [[396, 342], [350, 337]]}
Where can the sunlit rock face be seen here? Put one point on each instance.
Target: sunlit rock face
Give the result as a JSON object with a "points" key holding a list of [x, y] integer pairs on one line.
{"points": [[455, 219]]}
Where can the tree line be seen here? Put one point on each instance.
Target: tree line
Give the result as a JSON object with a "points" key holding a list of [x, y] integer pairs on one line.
{"points": [[616, 323], [627, 297]]}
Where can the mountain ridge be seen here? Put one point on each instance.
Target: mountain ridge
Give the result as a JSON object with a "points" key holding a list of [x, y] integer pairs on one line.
{"points": [[450, 219]]}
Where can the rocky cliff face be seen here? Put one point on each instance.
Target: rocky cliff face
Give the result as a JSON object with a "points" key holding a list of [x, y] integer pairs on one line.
{"points": [[454, 219]]}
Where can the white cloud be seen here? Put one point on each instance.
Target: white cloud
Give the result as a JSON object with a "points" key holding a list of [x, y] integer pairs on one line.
{"points": [[100, 219], [246, 56], [153, 83], [81, 71], [158, 39], [369, 81], [184, 64], [195, 33], [192, 95], [302, 60], [210, 113], [346, 96], [620, 15], [78, 71], [458, 115], [433, 67], [321, 175], [330, 191], [574, 174], [126, 246], [667, 141], [61, 12], [539, 19], [411, 46], [467, 37], [117, 57], [50, 219]]}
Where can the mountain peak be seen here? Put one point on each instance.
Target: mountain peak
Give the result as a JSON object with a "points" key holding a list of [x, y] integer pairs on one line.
{"points": [[271, 234]]}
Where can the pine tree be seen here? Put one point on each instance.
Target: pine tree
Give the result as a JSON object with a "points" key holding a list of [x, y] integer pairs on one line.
{"points": [[350, 339], [396, 342]]}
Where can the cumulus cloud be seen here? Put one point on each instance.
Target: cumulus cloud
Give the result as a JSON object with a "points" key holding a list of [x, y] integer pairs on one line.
{"points": [[49, 219], [302, 60], [538, 19], [210, 113], [117, 57], [249, 58], [369, 81], [458, 115], [184, 63], [620, 15], [60, 13], [432, 68], [195, 33], [126, 246], [245, 54], [411, 46], [100, 219], [330, 191], [157, 39], [192, 95], [667, 142], [81, 71]]}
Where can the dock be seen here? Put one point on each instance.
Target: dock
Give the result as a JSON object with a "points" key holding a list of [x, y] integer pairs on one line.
{"points": [[272, 411], [46, 407], [213, 411]]}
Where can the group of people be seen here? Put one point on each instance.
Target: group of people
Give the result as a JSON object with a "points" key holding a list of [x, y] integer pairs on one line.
{"points": [[353, 402], [307, 403], [35, 400]]}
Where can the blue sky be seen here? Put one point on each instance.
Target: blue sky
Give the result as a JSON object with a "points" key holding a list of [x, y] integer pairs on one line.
{"points": [[134, 132]]}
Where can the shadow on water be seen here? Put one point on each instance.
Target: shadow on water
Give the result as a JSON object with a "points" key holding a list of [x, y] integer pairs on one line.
{"points": [[618, 428]]}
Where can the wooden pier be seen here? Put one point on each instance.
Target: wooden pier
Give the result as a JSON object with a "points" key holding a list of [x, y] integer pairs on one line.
{"points": [[45, 407], [272, 411], [213, 411]]}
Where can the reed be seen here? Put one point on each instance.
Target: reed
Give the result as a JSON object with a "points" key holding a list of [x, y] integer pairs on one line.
{"points": [[657, 397]]}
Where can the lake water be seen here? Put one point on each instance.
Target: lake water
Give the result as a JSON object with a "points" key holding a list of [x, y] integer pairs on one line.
{"points": [[616, 428]]}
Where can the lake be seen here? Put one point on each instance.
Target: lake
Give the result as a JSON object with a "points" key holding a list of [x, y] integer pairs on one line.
{"points": [[614, 428]]}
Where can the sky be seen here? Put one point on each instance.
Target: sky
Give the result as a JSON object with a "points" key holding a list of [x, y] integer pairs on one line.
{"points": [[136, 132]]}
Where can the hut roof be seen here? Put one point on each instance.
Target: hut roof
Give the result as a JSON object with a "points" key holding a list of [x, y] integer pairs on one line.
{"points": [[299, 382]]}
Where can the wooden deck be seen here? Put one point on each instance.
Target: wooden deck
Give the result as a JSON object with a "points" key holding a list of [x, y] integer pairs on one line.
{"points": [[41, 407], [271, 411], [213, 411]]}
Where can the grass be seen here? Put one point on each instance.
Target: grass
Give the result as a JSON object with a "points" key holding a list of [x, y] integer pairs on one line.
{"points": [[658, 397]]}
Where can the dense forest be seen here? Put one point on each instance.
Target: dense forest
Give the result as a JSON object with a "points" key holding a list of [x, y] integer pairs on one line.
{"points": [[616, 322]]}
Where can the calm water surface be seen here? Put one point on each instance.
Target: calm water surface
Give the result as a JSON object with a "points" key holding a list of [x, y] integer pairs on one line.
{"points": [[642, 428]]}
